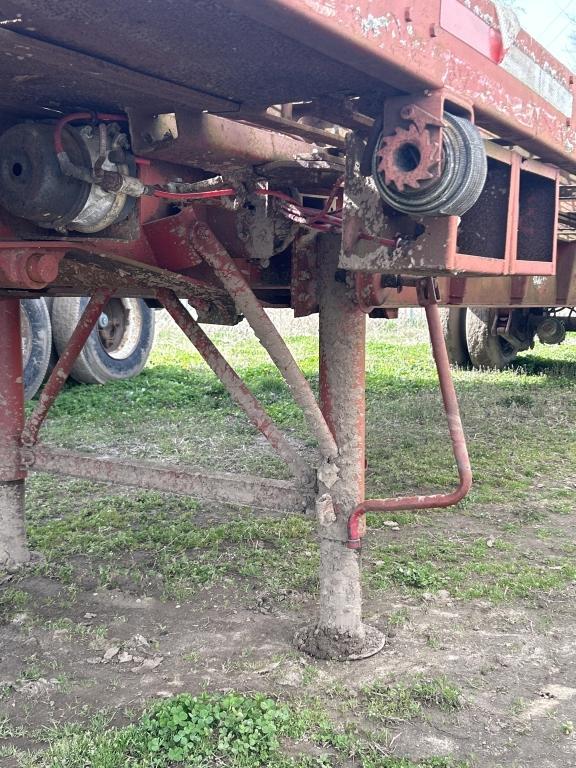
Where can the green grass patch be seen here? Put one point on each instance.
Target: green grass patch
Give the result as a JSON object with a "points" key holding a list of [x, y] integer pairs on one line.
{"points": [[231, 730], [125, 539], [391, 703], [467, 567], [12, 600]]}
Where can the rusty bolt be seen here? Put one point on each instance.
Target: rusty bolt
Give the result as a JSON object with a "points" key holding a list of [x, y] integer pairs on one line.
{"points": [[434, 30], [408, 14], [43, 267]]}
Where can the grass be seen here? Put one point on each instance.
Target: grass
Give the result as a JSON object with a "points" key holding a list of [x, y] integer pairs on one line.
{"points": [[12, 600], [404, 701], [509, 541], [177, 410], [232, 730]]}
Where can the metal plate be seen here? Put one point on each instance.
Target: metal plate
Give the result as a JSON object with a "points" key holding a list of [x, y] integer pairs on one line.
{"points": [[201, 54]]}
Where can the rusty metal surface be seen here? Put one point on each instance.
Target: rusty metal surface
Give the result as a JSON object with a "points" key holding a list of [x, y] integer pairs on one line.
{"points": [[511, 228], [303, 276], [505, 291], [218, 487], [42, 79], [411, 123], [237, 390], [356, 521], [11, 390], [249, 306], [236, 54], [199, 53], [408, 48], [20, 268], [62, 369], [211, 142]]}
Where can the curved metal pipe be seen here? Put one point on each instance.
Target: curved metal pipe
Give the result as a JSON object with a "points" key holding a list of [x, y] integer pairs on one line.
{"points": [[357, 519]]}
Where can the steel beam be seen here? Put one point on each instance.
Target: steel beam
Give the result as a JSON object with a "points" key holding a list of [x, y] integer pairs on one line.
{"points": [[13, 546], [517, 88], [219, 487], [237, 390]]}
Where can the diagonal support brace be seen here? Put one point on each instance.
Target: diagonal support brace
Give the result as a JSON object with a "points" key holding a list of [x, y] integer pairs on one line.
{"points": [[237, 390], [214, 253], [62, 369]]}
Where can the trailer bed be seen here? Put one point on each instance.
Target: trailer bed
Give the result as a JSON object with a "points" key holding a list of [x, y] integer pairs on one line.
{"points": [[236, 57]]}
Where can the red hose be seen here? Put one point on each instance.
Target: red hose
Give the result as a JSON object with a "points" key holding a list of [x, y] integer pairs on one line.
{"points": [[194, 195], [63, 121]]}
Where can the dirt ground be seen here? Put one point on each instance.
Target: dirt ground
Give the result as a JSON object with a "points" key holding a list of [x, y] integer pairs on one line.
{"points": [[77, 643], [516, 665]]}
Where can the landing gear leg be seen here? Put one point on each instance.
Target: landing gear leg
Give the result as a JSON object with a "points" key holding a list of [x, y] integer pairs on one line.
{"points": [[339, 632], [13, 545]]}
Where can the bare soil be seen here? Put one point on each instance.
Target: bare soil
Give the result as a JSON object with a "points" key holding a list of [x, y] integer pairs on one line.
{"points": [[515, 663]]}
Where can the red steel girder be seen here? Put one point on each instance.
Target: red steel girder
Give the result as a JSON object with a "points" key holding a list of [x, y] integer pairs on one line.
{"points": [[409, 48]]}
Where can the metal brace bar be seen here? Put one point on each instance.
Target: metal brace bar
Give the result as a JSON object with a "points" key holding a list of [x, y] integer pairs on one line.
{"points": [[238, 391], [357, 520], [214, 253], [219, 487], [62, 369]]}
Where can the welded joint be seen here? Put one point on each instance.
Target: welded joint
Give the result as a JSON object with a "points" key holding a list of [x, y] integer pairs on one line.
{"points": [[427, 291], [26, 458], [327, 473], [325, 513]]}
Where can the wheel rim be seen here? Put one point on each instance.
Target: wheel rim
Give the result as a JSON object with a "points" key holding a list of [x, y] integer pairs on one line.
{"points": [[120, 327]]}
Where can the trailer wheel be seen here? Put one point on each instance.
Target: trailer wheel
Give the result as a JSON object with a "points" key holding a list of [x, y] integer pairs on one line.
{"points": [[453, 321], [36, 343], [485, 349], [119, 345]]}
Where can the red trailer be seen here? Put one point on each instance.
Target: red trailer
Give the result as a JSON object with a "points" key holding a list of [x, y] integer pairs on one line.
{"points": [[332, 157]]}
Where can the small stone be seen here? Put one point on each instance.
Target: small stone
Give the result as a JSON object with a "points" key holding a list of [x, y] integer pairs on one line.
{"points": [[392, 524], [109, 653], [89, 615], [94, 660], [124, 657], [490, 542], [148, 664]]}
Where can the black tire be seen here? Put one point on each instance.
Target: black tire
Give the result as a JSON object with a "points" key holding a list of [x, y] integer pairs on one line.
{"points": [[113, 352], [53, 354], [485, 349], [36, 344], [453, 321]]}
